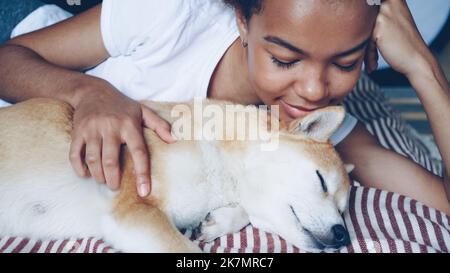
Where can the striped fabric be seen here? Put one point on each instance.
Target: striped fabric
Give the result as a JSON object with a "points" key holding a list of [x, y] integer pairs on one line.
{"points": [[369, 105], [378, 221]]}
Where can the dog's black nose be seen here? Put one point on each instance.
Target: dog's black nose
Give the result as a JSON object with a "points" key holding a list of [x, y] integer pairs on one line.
{"points": [[341, 236]]}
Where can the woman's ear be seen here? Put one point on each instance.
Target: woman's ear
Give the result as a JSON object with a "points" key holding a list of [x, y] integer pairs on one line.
{"points": [[242, 25]]}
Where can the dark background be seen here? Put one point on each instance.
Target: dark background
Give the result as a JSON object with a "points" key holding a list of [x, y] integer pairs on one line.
{"points": [[84, 4]]}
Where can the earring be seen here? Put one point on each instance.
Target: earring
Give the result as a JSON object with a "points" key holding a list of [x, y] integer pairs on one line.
{"points": [[244, 44]]}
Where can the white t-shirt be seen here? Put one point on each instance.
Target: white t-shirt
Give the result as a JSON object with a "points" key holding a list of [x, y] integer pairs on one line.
{"points": [[165, 50]]}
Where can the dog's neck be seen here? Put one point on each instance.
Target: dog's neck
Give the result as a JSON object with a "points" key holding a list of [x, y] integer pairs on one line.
{"points": [[224, 169], [228, 166]]}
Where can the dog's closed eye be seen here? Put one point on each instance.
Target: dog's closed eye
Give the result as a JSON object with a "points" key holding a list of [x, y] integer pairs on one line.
{"points": [[322, 182]]}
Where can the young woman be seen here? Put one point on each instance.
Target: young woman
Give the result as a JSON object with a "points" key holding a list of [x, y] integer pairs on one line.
{"points": [[301, 55]]}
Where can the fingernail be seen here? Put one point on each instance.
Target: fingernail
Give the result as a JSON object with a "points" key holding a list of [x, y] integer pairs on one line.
{"points": [[172, 137], [144, 189]]}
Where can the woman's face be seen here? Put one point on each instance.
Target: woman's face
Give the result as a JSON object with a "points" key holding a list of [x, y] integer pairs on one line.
{"points": [[306, 54]]}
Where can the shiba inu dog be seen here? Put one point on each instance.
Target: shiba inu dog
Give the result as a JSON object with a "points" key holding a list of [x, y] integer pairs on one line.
{"points": [[298, 190]]}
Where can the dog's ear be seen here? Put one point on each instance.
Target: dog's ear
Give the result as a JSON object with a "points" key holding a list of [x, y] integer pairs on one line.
{"points": [[320, 125], [349, 167]]}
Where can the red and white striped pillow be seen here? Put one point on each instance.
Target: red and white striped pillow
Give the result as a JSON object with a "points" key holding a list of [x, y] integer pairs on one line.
{"points": [[378, 221]]}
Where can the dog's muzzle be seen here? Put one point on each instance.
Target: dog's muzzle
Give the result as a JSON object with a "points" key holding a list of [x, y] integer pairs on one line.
{"points": [[338, 237]]}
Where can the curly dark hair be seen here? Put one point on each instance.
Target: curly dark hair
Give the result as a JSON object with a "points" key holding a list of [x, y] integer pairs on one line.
{"points": [[251, 7], [247, 7]]}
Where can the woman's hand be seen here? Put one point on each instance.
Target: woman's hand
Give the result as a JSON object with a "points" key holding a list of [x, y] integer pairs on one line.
{"points": [[398, 39], [104, 119]]}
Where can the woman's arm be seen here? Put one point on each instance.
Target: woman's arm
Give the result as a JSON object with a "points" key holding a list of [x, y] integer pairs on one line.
{"points": [[380, 168], [433, 91], [399, 41], [47, 63]]}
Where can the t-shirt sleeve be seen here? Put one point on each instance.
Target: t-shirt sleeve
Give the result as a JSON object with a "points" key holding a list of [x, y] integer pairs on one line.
{"points": [[344, 130], [126, 25]]}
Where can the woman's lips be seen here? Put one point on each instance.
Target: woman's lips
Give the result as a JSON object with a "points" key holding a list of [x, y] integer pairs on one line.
{"points": [[295, 111]]}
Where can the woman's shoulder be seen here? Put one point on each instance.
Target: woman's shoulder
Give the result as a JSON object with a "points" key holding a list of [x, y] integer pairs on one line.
{"points": [[129, 24], [153, 10]]}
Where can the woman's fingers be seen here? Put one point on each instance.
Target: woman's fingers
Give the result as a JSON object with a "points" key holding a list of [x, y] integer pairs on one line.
{"points": [[76, 156], [93, 158], [101, 127], [371, 58], [110, 161], [157, 124], [134, 139]]}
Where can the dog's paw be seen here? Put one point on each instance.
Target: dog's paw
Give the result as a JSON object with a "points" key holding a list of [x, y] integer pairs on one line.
{"points": [[210, 230], [222, 221]]}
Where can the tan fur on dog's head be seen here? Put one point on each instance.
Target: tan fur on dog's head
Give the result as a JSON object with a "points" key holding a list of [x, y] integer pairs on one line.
{"points": [[300, 190]]}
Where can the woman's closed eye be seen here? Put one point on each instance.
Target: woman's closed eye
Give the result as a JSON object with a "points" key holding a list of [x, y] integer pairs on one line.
{"points": [[347, 68], [284, 64], [289, 64]]}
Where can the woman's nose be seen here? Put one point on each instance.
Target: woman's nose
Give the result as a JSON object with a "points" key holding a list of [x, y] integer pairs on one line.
{"points": [[312, 87]]}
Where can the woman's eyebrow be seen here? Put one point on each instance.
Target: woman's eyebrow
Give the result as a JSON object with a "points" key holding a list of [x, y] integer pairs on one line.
{"points": [[287, 45], [354, 49]]}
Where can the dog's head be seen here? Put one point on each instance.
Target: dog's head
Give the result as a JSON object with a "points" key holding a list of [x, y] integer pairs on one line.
{"points": [[301, 190]]}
